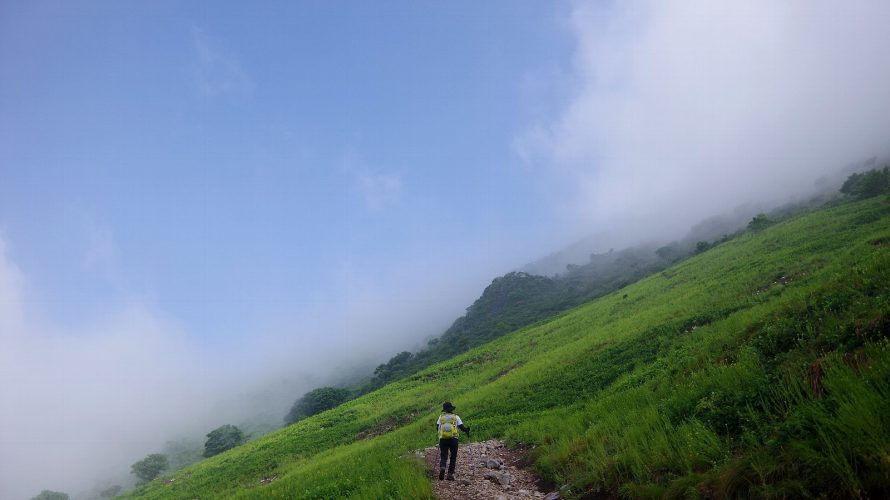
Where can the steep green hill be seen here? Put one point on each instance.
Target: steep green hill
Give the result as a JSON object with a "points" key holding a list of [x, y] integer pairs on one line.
{"points": [[520, 299], [758, 368]]}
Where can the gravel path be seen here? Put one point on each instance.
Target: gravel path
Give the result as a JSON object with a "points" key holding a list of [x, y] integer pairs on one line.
{"points": [[486, 470]]}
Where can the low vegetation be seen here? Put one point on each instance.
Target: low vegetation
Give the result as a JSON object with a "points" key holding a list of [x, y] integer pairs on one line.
{"points": [[224, 437], [51, 495], [874, 182], [111, 491], [757, 368], [317, 401], [150, 467]]}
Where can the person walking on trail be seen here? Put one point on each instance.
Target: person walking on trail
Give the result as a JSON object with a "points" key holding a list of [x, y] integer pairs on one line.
{"points": [[447, 426]]}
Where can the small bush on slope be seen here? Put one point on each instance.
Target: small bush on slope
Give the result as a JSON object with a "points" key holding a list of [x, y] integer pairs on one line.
{"points": [[317, 401], [223, 438]]}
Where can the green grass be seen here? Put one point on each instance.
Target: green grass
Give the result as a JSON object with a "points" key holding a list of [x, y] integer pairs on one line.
{"points": [[758, 368]]}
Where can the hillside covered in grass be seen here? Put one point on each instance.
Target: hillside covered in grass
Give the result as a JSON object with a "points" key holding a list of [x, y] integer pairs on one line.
{"points": [[523, 298], [760, 367]]}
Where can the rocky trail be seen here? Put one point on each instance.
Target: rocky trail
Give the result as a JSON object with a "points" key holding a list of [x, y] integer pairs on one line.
{"points": [[486, 470]]}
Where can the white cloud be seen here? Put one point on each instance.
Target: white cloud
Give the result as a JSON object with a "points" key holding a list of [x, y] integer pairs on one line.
{"points": [[684, 108], [218, 71], [78, 405]]}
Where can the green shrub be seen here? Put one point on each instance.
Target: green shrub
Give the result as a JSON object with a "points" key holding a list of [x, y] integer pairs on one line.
{"points": [[223, 438], [149, 467], [51, 495], [317, 401], [867, 184]]}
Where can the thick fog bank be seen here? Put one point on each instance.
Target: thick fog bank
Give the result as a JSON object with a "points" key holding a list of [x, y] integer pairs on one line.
{"points": [[80, 405], [685, 109]]}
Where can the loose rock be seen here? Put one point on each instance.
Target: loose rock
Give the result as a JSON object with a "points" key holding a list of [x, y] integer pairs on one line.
{"points": [[503, 479], [482, 473]]}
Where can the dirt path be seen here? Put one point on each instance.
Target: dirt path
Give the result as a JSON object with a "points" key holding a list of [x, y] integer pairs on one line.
{"points": [[486, 470]]}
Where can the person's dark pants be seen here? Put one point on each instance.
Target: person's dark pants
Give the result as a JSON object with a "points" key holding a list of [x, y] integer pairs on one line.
{"points": [[448, 447]]}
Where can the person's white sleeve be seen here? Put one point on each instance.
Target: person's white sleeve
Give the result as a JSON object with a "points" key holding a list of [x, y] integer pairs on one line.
{"points": [[459, 421]]}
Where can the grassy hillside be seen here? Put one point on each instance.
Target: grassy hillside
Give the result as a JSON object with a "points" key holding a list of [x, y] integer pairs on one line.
{"points": [[760, 367], [519, 299]]}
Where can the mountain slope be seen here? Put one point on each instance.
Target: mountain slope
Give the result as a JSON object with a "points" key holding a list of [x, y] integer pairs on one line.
{"points": [[758, 368], [519, 299]]}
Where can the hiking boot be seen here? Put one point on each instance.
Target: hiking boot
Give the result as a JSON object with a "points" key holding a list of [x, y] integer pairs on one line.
{"points": [[450, 477], [441, 474]]}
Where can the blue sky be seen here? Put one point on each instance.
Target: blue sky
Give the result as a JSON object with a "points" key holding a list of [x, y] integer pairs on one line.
{"points": [[229, 162], [202, 199]]}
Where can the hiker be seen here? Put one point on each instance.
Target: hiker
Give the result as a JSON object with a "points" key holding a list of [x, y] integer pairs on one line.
{"points": [[447, 426]]}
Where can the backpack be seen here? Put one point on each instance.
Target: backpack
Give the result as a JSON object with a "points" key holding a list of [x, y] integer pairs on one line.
{"points": [[448, 426]]}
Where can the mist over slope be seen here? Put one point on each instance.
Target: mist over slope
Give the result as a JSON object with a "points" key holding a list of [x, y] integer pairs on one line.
{"points": [[578, 274], [811, 193], [679, 109], [758, 366]]}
